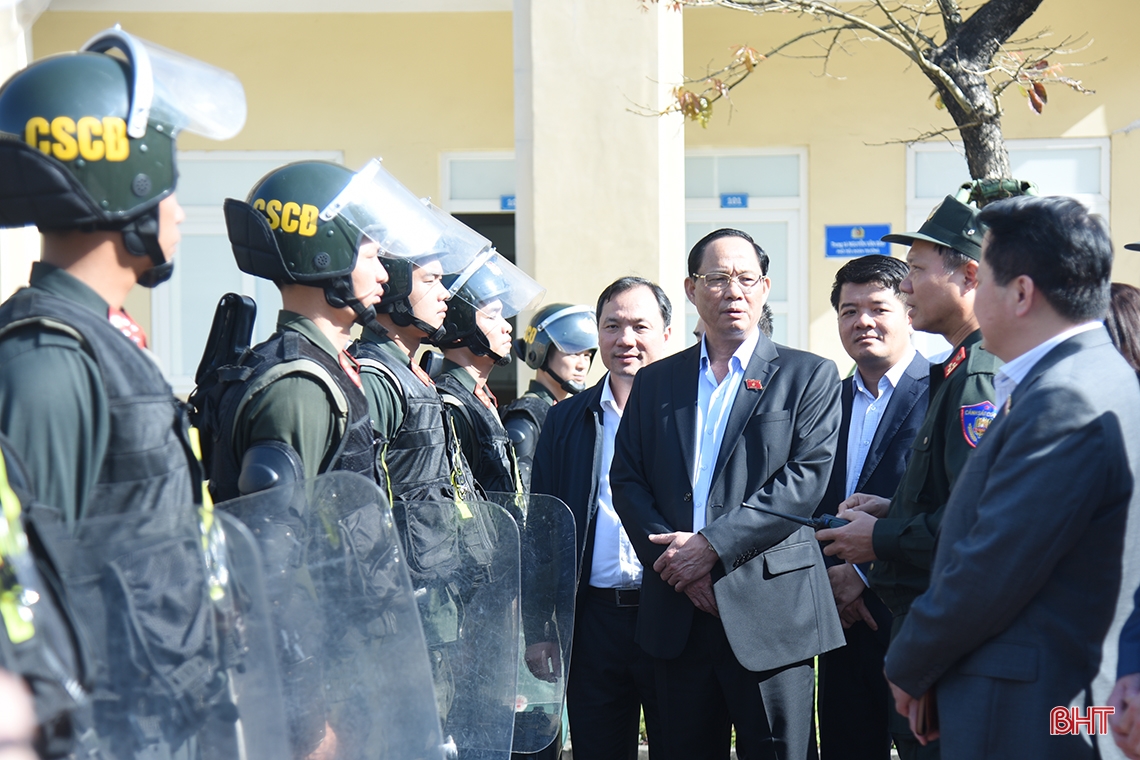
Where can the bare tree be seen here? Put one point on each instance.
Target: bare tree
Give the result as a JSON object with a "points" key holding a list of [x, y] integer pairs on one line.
{"points": [[971, 58]]}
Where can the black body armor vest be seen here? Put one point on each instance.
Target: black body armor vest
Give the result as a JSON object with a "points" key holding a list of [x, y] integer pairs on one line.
{"points": [[49, 654], [420, 461], [531, 407], [287, 352], [523, 419], [491, 462], [149, 462]]}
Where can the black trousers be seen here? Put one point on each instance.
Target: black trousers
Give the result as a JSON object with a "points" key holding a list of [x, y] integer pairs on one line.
{"points": [[854, 699], [705, 692], [610, 681]]}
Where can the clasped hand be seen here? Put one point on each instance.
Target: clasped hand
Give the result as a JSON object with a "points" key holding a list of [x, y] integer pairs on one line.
{"points": [[685, 565]]}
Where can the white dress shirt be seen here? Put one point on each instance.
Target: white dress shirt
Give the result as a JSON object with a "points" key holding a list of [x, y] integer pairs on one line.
{"points": [[866, 414], [614, 563], [714, 402], [1015, 370]]}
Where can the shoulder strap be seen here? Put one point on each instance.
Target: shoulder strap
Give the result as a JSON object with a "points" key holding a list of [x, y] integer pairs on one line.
{"points": [[299, 367], [48, 322], [454, 401]]}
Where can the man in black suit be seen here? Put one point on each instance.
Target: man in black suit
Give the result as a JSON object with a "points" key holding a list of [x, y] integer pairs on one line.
{"points": [[884, 402], [1035, 559], [707, 436], [611, 678]]}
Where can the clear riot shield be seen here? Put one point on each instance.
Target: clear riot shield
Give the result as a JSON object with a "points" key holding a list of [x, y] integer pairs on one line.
{"points": [[464, 563], [173, 611], [355, 669], [547, 561]]}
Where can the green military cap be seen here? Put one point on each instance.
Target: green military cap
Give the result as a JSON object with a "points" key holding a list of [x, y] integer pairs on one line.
{"points": [[952, 224]]}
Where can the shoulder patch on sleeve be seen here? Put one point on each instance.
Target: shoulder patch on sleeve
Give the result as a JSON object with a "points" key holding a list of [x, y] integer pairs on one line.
{"points": [[976, 419]]}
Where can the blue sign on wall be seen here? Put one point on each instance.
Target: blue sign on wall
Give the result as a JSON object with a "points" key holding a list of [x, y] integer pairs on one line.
{"points": [[734, 200], [851, 240], [506, 203]]}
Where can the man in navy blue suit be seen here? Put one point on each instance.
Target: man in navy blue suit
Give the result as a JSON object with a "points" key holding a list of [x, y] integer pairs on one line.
{"points": [[611, 679], [884, 402]]}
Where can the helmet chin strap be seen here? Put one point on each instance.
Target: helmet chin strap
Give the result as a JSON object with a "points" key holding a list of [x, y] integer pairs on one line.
{"points": [[339, 294], [572, 388], [403, 316], [479, 345], [140, 236]]}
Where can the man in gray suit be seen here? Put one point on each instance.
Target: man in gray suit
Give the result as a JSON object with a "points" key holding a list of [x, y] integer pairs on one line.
{"points": [[1028, 573], [734, 602]]}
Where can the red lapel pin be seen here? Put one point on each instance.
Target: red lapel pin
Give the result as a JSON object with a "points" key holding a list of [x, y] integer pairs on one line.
{"points": [[753, 385]]}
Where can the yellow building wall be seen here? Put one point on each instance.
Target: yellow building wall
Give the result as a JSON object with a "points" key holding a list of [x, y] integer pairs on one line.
{"points": [[873, 96], [403, 86], [411, 86]]}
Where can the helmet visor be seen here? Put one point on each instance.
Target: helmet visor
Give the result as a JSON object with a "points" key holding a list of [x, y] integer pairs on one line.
{"points": [[572, 330], [175, 89], [377, 205], [495, 286]]}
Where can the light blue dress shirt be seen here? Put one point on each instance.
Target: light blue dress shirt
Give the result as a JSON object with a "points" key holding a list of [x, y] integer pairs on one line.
{"points": [[714, 402], [866, 414]]}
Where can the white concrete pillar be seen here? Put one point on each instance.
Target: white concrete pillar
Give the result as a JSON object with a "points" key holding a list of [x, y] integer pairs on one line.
{"points": [[19, 247], [600, 190]]}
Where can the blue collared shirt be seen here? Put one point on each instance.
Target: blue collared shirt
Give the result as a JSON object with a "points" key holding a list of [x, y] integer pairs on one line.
{"points": [[714, 402], [866, 413]]}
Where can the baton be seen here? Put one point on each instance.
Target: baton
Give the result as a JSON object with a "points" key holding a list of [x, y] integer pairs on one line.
{"points": [[815, 523]]}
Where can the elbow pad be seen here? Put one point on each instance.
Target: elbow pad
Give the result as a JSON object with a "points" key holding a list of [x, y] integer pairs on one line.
{"points": [[268, 464]]}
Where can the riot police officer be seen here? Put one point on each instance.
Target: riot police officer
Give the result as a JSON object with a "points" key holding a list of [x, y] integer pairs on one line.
{"points": [[559, 344], [476, 339], [88, 156], [294, 409], [90, 160], [418, 459], [291, 407]]}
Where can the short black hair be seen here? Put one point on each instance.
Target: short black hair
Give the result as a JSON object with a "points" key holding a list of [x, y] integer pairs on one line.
{"points": [[698, 251], [622, 284], [952, 258], [885, 271], [1059, 245]]}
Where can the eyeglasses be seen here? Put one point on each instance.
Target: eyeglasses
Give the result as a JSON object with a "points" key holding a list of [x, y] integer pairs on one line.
{"points": [[718, 282]]}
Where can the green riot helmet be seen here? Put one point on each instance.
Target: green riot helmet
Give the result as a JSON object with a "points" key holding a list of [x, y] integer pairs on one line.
{"points": [[91, 137], [411, 233], [277, 233], [571, 329], [489, 289]]}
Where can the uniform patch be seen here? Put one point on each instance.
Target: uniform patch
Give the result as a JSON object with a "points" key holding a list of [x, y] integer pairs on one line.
{"points": [[976, 420], [953, 363]]}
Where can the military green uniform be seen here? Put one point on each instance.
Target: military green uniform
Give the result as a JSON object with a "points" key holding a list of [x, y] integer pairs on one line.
{"points": [[294, 409], [53, 405], [961, 396], [538, 390], [384, 404], [961, 407]]}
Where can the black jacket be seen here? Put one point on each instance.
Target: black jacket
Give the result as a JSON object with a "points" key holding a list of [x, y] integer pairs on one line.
{"points": [[567, 461]]}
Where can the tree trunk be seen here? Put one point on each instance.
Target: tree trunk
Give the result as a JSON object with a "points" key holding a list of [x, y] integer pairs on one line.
{"points": [[980, 127], [965, 56]]}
